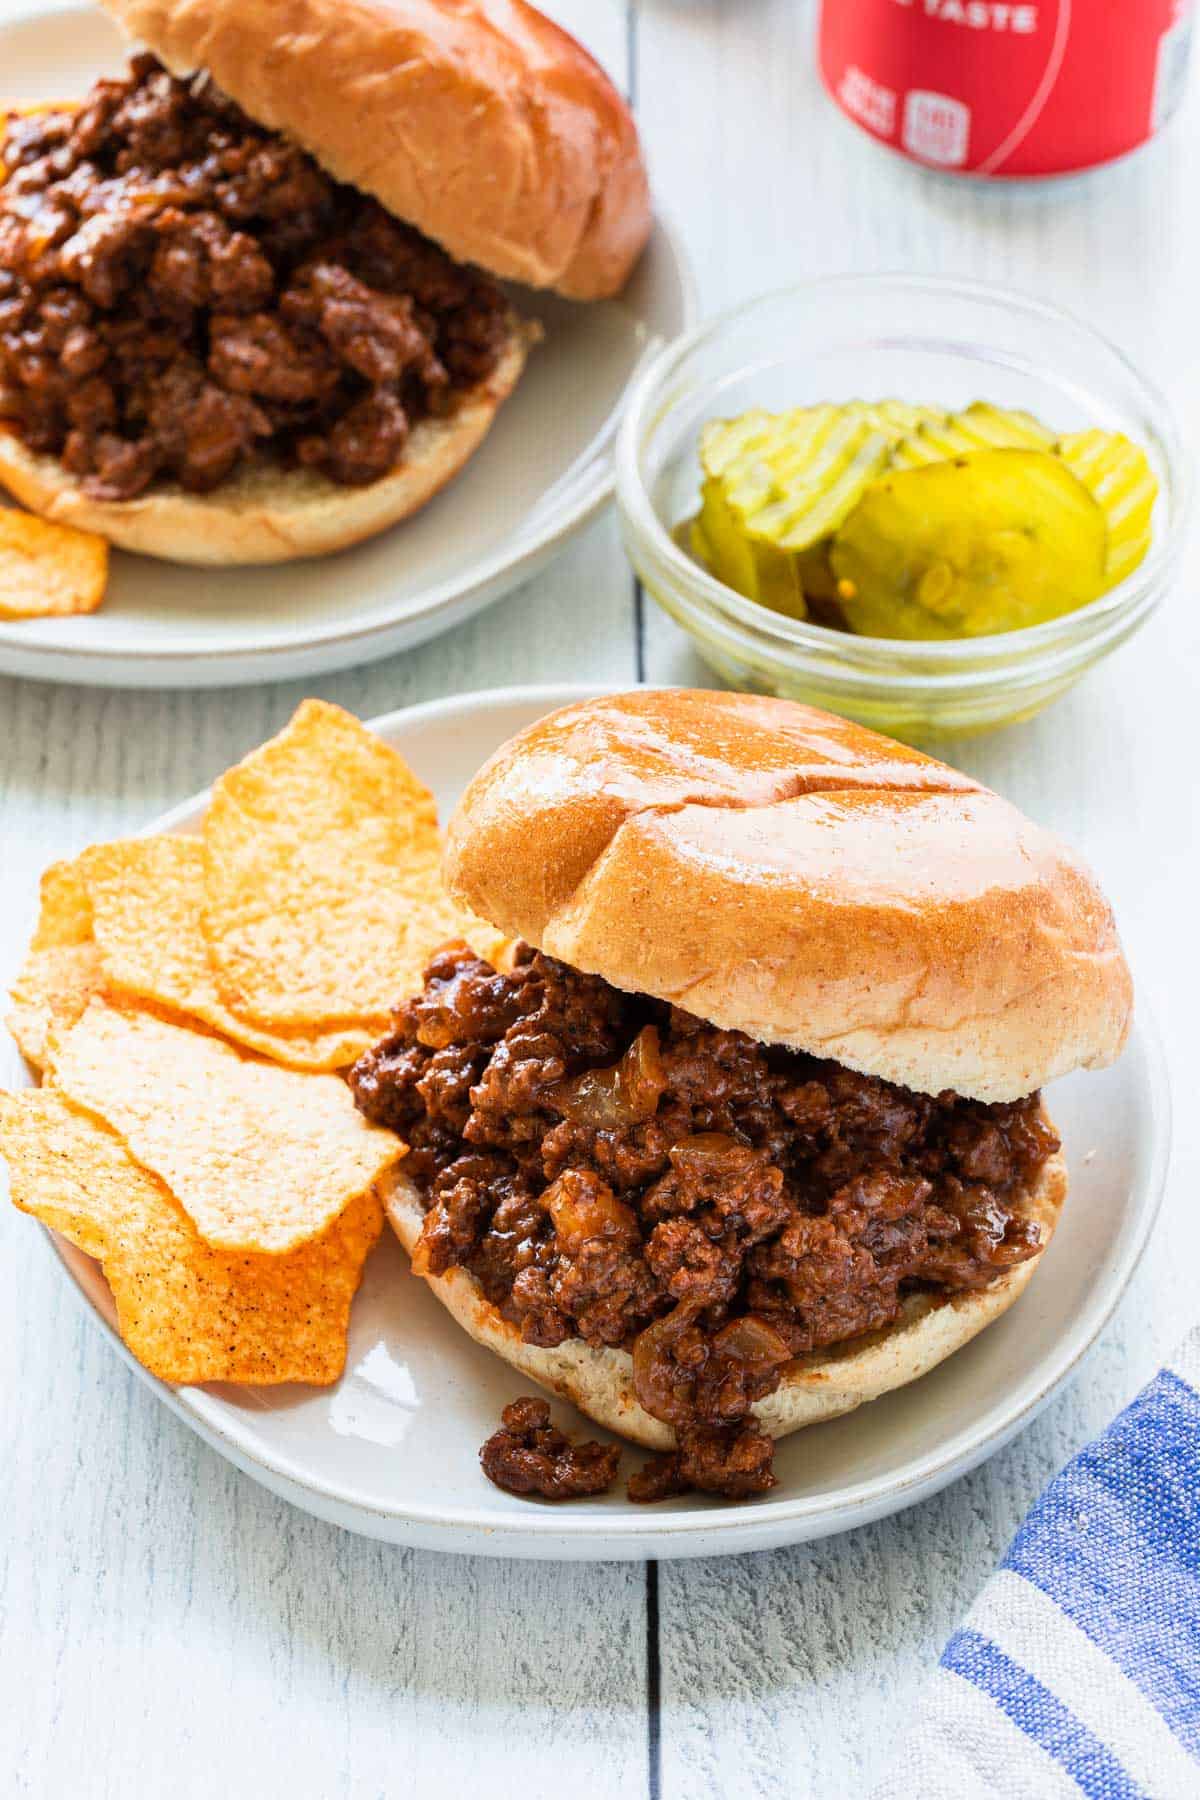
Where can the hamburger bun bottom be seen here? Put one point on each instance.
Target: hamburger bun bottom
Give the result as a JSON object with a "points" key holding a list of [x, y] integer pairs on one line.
{"points": [[821, 1385], [272, 515]]}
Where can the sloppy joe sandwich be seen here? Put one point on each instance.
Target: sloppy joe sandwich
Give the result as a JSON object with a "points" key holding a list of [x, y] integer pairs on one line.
{"points": [[249, 291], [747, 1129]]}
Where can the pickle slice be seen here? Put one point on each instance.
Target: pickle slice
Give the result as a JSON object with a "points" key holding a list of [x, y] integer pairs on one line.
{"points": [[790, 478], [777, 485], [736, 443], [757, 570], [990, 541], [860, 423], [816, 495], [1118, 475], [765, 472], [896, 417], [980, 426], [993, 428], [933, 442], [774, 469]]}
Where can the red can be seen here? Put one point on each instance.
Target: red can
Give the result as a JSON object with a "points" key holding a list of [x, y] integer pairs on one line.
{"points": [[1007, 88]]}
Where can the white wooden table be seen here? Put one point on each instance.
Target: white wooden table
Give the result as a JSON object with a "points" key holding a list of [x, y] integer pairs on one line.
{"points": [[166, 1626]]}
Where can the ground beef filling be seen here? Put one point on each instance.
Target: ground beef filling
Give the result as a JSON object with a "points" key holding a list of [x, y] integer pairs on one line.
{"points": [[182, 292], [608, 1167], [528, 1455]]}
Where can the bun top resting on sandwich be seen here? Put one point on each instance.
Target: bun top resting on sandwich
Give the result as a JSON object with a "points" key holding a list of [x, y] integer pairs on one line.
{"points": [[750, 1131], [247, 306]]}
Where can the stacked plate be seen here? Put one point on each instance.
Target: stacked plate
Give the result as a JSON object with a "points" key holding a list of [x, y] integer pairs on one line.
{"points": [[545, 469]]}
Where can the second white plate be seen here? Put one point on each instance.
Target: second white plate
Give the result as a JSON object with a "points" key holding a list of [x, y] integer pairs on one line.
{"points": [[544, 470], [392, 1450]]}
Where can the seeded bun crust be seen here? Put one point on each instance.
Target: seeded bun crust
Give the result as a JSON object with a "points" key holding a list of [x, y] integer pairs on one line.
{"points": [[266, 514], [819, 1386], [785, 873], [478, 121]]}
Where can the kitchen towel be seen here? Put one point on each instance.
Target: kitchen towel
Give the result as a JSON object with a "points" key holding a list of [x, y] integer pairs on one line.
{"points": [[1078, 1668]]}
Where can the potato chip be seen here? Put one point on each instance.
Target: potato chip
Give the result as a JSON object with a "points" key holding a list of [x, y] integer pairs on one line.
{"points": [[85, 1199], [50, 993], [147, 898], [62, 966], [188, 1312], [65, 912], [192, 1313], [48, 570], [323, 877], [260, 1158]]}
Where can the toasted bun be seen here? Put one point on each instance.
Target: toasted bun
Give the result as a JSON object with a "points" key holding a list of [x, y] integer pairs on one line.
{"points": [[820, 1386], [264, 514], [478, 121], [782, 872]]}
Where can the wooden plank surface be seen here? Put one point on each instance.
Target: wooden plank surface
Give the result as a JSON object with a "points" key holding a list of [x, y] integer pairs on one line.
{"points": [[166, 1625]]}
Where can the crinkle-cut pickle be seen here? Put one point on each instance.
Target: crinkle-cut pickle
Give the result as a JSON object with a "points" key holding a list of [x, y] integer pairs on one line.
{"points": [[778, 485], [991, 541], [758, 570], [1119, 477], [789, 479], [980, 426], [782, 490]]}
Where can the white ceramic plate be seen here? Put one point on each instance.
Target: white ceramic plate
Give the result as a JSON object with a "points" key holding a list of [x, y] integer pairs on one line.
{"points": [[544, 470], [392, 1450]]}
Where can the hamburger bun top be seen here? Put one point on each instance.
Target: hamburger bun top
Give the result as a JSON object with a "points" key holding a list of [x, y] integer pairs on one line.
{"points": [[782, 872], [478, 121]]}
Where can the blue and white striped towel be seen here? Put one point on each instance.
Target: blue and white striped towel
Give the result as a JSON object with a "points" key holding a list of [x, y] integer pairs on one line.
{"points": [[1078, 1668]]}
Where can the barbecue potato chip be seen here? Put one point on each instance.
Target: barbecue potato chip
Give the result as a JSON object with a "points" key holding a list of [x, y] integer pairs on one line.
{"points": [[64, 911], [50, 993], [62, 967], [260, 1158], [188, 1312], [48, 570], [147, 900], [82, 1196], [325, 898], [191, 1313]]}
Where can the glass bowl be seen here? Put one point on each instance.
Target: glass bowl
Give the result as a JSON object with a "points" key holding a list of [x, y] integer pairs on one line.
{"points": [[921, 339]]}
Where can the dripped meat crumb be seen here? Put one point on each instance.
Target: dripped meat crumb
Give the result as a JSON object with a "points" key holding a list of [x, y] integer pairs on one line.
{"points": [[610, 1168], [530, 1456], [731, 1460], [183, 292]]}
